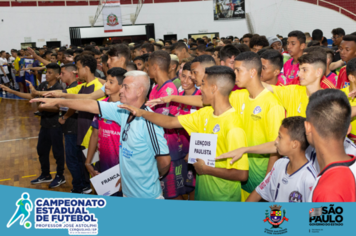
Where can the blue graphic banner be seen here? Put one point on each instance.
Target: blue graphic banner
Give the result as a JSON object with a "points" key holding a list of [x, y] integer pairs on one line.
{"points": [[37, 212]]}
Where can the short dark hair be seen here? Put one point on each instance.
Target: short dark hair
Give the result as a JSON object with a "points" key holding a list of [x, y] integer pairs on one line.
{"points": [[78, 50], [118, 73], [351, 67], [329, 53], [296, 130], [228, 51], [259, 41], [181, 46], [69, 52], [70, 67], [260, 52], [161, 58], [47, 52], [88, 48], [274, 57], [204, 59], [252, 60], [209, 49], [299, 35], [168, 41], [131, 66], [314, 58], [87, 61], [54, 55], [120, 50], [247, 36], [105, 58], [313, 43], [329, 111], [201, 42], [139, 58], [55, 67], [223, 76], [349, 38], [96, 52], [243, 47], [317, 48], [137, 46], [187, 66], [149, 47], [201, 48], [338, 31], [317, 35]]}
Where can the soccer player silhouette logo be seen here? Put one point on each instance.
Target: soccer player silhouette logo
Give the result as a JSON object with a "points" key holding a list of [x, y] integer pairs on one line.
{"points": [[24, 208]]}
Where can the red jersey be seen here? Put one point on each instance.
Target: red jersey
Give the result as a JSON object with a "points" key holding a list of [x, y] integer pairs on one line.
{"points": [[236, 88], [342, 80], [324, 83], [336, 183]]}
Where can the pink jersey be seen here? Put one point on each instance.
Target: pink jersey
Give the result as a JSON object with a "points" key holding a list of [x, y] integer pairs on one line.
{"points": [[282, 79], [174, 143], [332, 77], [108, 141], [290, 71]]}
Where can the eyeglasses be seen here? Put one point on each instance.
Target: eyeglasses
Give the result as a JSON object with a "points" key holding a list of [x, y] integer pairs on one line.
{"points": [[124, 134], [337, 36]]}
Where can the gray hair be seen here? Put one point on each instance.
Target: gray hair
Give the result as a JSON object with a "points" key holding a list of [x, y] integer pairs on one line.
{"points": [[141, 77]]}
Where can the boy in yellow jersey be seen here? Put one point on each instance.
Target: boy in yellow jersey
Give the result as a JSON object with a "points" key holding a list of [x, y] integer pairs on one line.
{"points": [[260, 111], [222, 183], [351, 75]]}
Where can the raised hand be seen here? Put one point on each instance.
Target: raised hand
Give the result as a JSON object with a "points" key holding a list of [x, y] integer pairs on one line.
{"points": [[134, 110], [162, 100], [235, 155]]}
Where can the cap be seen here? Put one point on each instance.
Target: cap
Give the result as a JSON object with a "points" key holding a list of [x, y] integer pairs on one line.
{"points": [[132, 44], [151, 39], [272, 40], [174, 57], [160, 43]]}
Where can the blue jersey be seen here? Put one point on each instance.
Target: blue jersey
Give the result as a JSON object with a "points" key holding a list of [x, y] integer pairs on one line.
{"points": [[140, 143]]}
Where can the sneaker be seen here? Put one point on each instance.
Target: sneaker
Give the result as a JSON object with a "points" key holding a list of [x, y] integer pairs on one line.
{"points": [[87, 190], [42, 179], [58, 180], [76, 191]]}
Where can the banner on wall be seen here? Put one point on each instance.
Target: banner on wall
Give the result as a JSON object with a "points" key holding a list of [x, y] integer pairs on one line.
{"points": [[229, 9], [112, 16]]}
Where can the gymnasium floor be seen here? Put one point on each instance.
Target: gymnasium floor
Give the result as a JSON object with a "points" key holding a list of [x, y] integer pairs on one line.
{"points": [[19, 129]]}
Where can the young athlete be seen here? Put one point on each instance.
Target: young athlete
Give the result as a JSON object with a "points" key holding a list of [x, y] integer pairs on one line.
{"points": [[159, 64], [139, 62], [189, 89], [199, 64], [293, 176], [331, 76], [272, 64], [173, 69], [50, 135], [324, 82], [295, 98], [328, 121], [347, 52], [108, 145], [222, 183], [296, 45]]}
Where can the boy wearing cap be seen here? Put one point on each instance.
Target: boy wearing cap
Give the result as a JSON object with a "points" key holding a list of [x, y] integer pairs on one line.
{"points": [[276, 44], [173, 68]]}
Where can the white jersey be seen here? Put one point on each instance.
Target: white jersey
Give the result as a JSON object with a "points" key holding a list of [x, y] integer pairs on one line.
{"points": [[3, 63], [279, 186], [310, 154]]}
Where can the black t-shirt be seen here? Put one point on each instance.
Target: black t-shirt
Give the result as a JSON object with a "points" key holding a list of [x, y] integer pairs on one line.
{"points": [[336, 54], [71, 124], [49, 119]]}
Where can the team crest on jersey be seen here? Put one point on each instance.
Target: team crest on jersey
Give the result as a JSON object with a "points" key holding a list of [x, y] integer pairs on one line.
{"points": [[169, 91], [285, 181], [216, 128], [257, 110], [275, 217], [295, 196]]}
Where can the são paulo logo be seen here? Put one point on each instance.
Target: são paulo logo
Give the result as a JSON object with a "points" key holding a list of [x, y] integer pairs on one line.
{"points": [[58, 213], [326, 216], [112, 20], [275, 217]]}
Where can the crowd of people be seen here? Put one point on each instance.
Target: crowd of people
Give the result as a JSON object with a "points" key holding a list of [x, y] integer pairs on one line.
{"points": [[281, 108]]}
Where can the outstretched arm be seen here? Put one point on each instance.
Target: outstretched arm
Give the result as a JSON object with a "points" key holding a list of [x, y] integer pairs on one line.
{"points": [[36, 57], [19, 94], [167, 122], [188, 100], [75, 104], [59, 94], [259, 149]]}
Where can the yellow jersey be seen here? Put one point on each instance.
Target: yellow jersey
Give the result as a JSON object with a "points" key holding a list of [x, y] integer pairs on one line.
{"points": [[231, 136], [352, 134], [84, 118], [294, 99], [261, 117]]}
